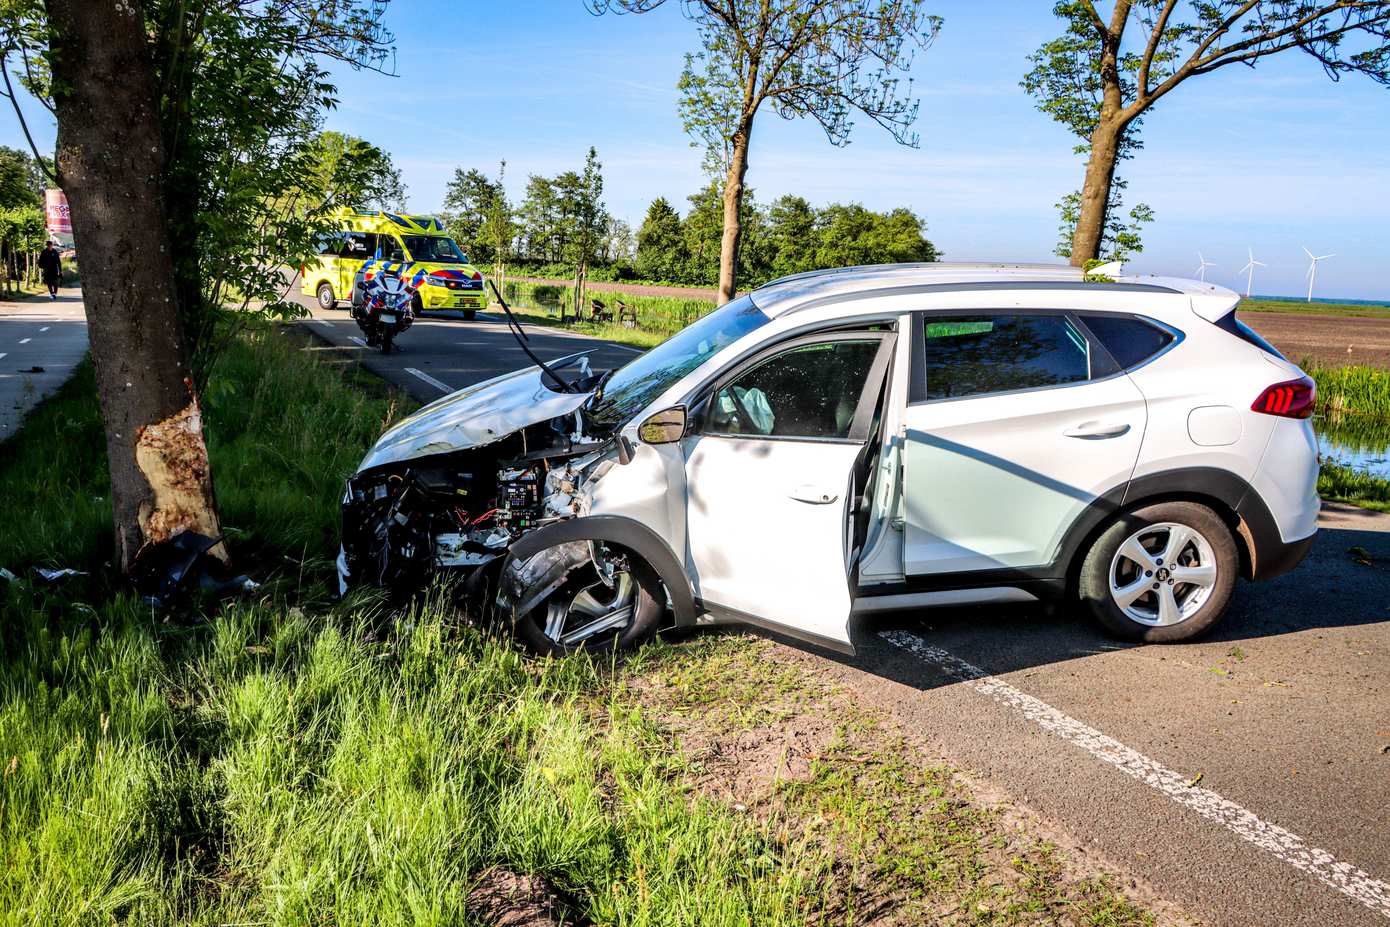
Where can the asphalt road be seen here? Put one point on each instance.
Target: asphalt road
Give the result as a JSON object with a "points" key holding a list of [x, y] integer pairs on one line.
{"points": [[441, 352], [41, 341]]}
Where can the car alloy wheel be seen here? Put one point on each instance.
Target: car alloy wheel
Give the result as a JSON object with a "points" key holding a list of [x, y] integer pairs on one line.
{"points": [[326, 298], [1163, 574], [573, 618]]}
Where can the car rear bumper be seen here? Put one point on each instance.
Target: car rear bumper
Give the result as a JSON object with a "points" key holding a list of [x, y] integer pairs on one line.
{"points": [[1277, 557]]}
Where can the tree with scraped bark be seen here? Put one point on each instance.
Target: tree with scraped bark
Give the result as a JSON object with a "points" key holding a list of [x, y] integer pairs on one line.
{"points": [[1106, 72], [168, 115], [822, 59]]}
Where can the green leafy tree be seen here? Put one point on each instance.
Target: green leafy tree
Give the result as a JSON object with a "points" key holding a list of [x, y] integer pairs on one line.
{"points": [[16, 179], [349, 171], [467, 199], [822, 59], [1104, 73], [184, 129], [660, 245], [792, 235]]}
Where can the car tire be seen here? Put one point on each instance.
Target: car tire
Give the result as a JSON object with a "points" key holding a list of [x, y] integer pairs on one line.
{"points": [[648, 600], [417, 305], [470, 314], [326, 298], [1136, 593]]}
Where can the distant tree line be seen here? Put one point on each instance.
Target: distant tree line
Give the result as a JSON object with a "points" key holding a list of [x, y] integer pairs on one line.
{"points": [[562, 225]]}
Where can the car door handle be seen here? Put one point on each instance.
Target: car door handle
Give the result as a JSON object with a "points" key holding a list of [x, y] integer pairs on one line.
{"points": [[1096, 430], [816, 495]]}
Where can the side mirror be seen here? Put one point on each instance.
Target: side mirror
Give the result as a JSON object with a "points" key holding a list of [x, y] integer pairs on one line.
{"points": [[664, 427]]}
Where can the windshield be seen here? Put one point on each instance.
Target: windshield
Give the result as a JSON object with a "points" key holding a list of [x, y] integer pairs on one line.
{"points": [[632, 387], [435, 249]]}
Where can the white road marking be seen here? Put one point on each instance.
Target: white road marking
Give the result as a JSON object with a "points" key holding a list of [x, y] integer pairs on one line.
{"points": [[355, 340], [25, 340], [437, 384], [1275, 840], [2, 357], [324, 322], [44, 329]]}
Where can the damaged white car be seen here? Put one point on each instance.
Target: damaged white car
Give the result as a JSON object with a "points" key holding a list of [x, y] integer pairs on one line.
{"points": [[857, 441]]}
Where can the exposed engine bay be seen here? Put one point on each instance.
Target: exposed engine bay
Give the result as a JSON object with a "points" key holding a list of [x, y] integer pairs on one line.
{"points": [[461, 511]]}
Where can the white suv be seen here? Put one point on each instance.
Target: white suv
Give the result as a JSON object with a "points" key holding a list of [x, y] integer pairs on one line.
{"points": [[862, 440]]}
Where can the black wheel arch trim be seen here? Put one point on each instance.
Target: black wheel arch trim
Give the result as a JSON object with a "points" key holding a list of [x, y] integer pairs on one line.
{"points": [[630, 533]]}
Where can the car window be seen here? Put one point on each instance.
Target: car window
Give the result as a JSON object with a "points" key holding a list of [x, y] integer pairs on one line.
{"points": [[977, 355], [331, 245], [809, 391], [359, 245], [634, 385], [435, 249], [1129, 340]]}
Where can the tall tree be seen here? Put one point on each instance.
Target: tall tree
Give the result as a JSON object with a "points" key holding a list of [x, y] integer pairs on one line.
{"points": [[660, 249], [111, 158], [1106, 72], [822, 59], [16, 179], [349, 171], [466, 200], [792, 231]]}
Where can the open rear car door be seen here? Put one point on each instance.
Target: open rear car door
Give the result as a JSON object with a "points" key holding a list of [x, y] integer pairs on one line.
{"points": [[771, 463]]}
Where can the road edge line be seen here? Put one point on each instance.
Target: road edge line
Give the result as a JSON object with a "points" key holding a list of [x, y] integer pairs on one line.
{"points": [[1283, 844]]}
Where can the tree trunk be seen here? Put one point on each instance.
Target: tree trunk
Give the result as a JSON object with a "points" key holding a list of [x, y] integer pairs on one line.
{"points": [[1089, 234], [110, 156], [733, 214]]}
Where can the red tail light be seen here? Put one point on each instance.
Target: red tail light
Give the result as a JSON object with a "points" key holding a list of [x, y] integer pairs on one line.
{"points": [[1290, 399]]}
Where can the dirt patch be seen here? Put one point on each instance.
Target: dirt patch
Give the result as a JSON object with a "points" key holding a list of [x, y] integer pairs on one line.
{"points": [[503, 898], [1329, 340], [905, 841]]}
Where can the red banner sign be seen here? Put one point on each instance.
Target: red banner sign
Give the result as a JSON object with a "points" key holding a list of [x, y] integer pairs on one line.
{"points": [[59, 219]]}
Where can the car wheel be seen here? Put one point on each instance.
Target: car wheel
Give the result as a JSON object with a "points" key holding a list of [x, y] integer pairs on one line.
{"points": [[592, 613], [326, 298], [470, 314], [417, 305], [1161, 573]]}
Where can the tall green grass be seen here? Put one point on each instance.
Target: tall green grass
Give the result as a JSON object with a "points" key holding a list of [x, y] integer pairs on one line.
{"points": [[289, 760], [1354, 390], [1340, 483]]}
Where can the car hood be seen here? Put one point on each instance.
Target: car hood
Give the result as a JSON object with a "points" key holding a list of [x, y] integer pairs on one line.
{"points": [[474, 416]]}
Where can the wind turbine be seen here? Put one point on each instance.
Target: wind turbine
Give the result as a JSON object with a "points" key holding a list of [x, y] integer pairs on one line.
{"points": [[1202, 265], [1313, 269], [1249, 271]]}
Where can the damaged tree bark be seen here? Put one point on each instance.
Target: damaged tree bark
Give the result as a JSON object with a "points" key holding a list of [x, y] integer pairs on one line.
{"points": [[110, 157]]}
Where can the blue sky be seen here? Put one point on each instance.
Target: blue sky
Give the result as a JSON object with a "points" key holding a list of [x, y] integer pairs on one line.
{"points": [[1273, 158]]}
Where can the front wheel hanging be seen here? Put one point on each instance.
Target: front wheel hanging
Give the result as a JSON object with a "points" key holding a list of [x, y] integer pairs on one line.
{"points": [[616, 603]]}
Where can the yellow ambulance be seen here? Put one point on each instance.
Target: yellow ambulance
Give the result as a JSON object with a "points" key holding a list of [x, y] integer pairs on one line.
{"points": [[420, 241]]}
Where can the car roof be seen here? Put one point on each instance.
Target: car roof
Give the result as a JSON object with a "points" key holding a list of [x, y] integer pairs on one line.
{"points": [[798, 291]]}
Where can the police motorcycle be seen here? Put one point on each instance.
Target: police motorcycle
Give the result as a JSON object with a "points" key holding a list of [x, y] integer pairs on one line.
{"points": [[382, 296]]}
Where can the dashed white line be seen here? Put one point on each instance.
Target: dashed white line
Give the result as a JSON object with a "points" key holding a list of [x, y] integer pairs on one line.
{"points": [[1282, 844], [437, 384], [2, 356], [358, 341], [25, 340], [44, 329]]}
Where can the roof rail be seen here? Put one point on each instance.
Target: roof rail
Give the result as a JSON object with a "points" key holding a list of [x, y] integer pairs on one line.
{"points": [[944, 266]]}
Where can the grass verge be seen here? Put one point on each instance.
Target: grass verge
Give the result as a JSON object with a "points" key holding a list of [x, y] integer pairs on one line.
{"points": [[1355, 391], [289, 759], [907, 841], [1337, 483]]}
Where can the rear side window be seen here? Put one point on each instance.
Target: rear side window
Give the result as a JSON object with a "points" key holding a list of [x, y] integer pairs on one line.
{"points": [[1129, 340], [982, 354], [1235, 326]]}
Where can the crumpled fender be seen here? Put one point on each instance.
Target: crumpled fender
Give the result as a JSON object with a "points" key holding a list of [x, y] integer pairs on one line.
{"points": [[614, 529]]}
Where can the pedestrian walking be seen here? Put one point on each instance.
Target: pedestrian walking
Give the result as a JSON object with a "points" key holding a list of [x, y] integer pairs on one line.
{"points": [[51, 264]]}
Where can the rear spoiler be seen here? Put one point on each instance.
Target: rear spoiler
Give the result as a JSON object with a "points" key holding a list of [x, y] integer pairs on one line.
{"points": [[1214, 306]]}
